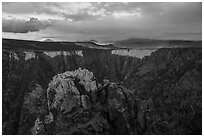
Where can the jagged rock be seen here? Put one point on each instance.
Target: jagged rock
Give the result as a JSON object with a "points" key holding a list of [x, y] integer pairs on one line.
{"points": [[69, 97], [117, 122], [103, 96], [150, 105], [144, 107], [173, 81], [49, 118], [140, 115], [38, 127], [34, 100], [63, 94], [120, 103], [86, 78], [70, 90], [73, 110], [34, 108], [85, 101]]}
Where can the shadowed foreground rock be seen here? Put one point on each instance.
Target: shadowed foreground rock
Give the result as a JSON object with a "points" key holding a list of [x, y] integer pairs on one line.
{"points": [[76, 104]]}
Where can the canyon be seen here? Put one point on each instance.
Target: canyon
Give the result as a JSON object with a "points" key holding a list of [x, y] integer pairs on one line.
{"points": [[132, 91]]}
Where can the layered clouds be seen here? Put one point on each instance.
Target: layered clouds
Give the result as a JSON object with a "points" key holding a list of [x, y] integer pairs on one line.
{"points": [[23, 26], [102, 21]]}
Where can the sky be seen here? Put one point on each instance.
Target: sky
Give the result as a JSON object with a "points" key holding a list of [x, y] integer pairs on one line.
{"points": [[101, 21]]}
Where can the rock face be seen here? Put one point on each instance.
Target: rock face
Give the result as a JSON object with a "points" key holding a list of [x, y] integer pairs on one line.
{"points": [[20, 75], [76, 105], [172, 78], [51, 95], [71, 90], [74, 100]]}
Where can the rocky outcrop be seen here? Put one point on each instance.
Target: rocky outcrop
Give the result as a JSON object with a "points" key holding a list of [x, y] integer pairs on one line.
{"points": [[172, 78], [71, 90], [73, 98], [77, 104], [20, 71]]}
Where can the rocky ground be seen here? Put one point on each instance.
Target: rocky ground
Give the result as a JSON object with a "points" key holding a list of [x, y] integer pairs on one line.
{"points": [[101, 93], [75, 104]]}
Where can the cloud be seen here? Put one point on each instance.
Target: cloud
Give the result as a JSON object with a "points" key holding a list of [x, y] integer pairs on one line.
{"points": [[23, 26], [79, 11], [80, 16], [105, 20], [28, 7]]}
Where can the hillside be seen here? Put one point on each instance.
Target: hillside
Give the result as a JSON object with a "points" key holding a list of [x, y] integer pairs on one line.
{"points": [[52, 46], [159, 93], [154, 43]]}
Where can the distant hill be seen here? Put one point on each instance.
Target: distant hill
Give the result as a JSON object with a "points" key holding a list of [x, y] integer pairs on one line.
{"points": [[49, 45], [133, 43], [153, 43], [48, 40]]}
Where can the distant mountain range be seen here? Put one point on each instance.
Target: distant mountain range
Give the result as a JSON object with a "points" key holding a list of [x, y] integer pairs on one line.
{"points": [[50, 45], [153, 43], [132, 43], [48, 40]]}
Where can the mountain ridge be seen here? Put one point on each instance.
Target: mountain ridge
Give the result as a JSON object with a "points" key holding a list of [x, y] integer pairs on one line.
{"points": [[53, 46], [132, 43]]}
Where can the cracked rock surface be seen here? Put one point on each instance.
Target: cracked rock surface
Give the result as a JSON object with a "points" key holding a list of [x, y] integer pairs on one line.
{"points": [[76, 105]]}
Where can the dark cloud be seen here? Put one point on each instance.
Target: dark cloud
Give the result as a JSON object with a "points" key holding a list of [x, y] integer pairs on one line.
{"points": [[107, 20], [110, 7], [166, 11], [80, 16], [23, 26]]}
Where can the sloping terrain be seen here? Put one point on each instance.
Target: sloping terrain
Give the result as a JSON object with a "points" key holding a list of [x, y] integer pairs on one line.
{"points": [[159, 93], [154, 43], [173, 79], [52, 46]]}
